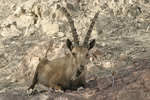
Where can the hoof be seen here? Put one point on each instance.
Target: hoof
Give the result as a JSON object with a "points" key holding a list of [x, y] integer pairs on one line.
{"points": [[59, 91], [80, 88], [41, 91], [31, 92]]}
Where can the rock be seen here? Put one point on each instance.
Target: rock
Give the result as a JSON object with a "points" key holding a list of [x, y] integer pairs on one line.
{"points": [[63, 46], [33, 63], [2, 98], [120, 64], [28, 5], [147, 85], [30, 31], [130, 95], [123, 57], [37, 11], [80, 89], [8, 77], [97, 51], [57, 13], [143, 50], [10, 32], [49, 28], [25, 21], [101, 97], [148, 29], [40, 97], [131, 10], [69, 6], [60, 34], [93, 69], [108, 64], [18, 12], [104, 83], [91, 79]]}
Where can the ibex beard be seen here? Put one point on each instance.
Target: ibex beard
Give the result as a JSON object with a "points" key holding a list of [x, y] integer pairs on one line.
{"points": [[70, 71]]}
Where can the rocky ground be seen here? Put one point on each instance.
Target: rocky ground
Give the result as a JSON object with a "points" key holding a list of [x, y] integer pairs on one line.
{"points": [[121, 53]]}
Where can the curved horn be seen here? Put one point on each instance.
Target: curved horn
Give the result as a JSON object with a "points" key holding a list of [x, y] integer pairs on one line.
{"points": [[88, 34], [73, 29]]}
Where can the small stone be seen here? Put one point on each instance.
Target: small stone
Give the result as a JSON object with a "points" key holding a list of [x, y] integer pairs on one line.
{"points": [[124, 57], [104, 83], [29, 31], [18, 12], [25, 21], [49, 28], [14, 80], [148, 29], [91, 79], [147, 84], [10, 32], [62, 45], [143, 50], [123, 95], [120, 64], [103, 44], [8, 77], [131, 95], [97, 51], [108, 64], [80, 88], [60, 34], [93, 69]]}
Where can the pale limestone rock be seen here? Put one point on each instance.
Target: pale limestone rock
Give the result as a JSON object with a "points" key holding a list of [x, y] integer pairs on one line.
{"points": [[148, 29], [123, 57], [108, 64], [130, 95], [97, 51], [40, 97], [28, 5], [37, 11], [120, 64], [18, 12], [30, 31], [25, 21], [49, 28], [10, 32], [147, 85], [60, 34], [58, 14], [34, 62]]}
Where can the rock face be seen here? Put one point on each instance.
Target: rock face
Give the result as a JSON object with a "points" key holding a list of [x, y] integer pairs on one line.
{"points": [[9, 33], [121, 51], [49, 28]]}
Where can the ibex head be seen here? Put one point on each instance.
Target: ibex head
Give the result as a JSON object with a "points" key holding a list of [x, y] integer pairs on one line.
{"points": [[80, 52]]}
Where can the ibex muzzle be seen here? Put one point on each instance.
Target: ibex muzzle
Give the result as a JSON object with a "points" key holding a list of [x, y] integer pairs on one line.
{"points": [[68, 72]]}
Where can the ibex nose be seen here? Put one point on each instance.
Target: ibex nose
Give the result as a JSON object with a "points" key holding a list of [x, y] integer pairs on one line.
{"points": [[82, 66]]}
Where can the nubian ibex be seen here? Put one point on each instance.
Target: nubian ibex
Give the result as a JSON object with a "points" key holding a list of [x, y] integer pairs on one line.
{"points": [[68, 72]]}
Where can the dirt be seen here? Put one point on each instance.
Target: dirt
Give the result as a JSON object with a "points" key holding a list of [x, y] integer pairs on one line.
{"points": [[120, 72]]}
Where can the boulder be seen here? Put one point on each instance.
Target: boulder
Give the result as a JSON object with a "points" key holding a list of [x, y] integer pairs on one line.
{"points": [[49, 28], [10, 32]]}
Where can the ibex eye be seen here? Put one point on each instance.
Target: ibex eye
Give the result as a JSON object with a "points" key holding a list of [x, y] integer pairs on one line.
{"points": [[73, 54], [87, 55]]}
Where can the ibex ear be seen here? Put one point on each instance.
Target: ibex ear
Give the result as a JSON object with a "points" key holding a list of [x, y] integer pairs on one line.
{"points": [[69, 44], [91, 44]]}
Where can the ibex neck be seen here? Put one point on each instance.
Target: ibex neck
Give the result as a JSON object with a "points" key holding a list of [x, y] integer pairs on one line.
{"points": [[72, 66]]}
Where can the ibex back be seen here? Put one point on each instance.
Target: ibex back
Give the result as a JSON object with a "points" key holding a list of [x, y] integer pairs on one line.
{"points": [[68, 72]]}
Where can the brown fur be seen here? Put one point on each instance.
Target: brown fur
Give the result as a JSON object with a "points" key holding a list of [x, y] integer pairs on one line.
{"points": [[68, 72], [61, 76]]}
